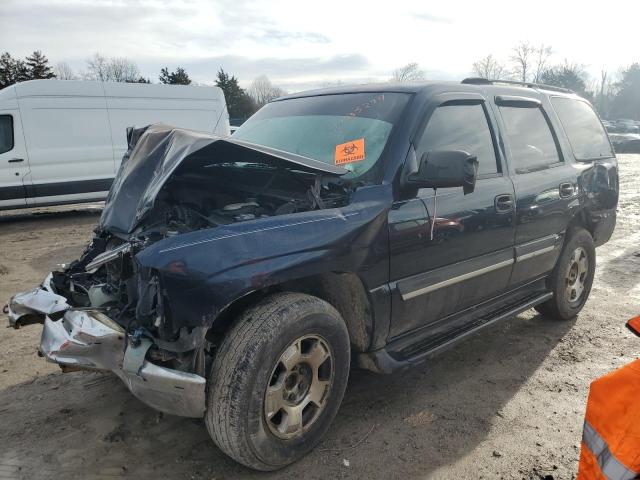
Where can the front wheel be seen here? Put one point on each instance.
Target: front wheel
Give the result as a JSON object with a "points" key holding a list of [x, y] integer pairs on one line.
{"points": [[278, 380], [572, 277]]}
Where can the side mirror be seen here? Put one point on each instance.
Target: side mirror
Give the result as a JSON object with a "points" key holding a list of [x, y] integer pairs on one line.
{"points": [[446, 168]]}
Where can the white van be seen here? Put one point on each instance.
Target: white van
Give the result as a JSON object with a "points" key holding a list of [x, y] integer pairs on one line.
{"points": [[61, 141]]}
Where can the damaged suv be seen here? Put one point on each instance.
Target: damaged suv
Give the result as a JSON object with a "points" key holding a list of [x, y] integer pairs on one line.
{"points": [[239, 278]]}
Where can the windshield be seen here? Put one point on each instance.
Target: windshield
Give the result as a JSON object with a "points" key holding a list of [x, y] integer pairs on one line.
{"points": [[349, 130]]}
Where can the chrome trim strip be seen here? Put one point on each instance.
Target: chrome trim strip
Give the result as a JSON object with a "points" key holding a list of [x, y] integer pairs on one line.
{"points": [[535, 253], [459, 278]]}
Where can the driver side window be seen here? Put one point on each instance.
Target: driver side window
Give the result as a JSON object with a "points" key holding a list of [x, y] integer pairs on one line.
{"points": [[461, 127]]}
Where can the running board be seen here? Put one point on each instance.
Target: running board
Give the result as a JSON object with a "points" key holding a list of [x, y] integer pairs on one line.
{"points": [[386, 360]]}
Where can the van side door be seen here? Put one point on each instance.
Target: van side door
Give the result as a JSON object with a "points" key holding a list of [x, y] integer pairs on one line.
{"points": [[69, 144], [545, 184], [470, 256], [14, 164]]}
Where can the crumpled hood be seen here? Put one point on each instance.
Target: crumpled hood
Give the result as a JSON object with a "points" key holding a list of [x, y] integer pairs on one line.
{"points": [[156, 151]]}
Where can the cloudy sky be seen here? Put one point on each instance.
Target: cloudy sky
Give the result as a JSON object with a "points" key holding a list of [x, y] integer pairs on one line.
{"points": [[301, 44]]}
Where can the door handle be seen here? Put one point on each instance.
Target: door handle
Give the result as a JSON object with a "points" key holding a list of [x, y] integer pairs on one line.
{"points": [[504, 203], [16, 160], [566, 190]]}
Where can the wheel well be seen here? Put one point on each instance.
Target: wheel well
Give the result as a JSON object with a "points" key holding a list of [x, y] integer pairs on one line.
{"points": [[344, 291], [580, 220]]}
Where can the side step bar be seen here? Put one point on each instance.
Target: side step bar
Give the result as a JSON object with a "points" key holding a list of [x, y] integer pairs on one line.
{"points": [[385, 361]]}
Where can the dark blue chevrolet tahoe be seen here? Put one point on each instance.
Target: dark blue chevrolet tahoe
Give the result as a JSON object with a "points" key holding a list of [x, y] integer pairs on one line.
{"points": [[238, 279]]}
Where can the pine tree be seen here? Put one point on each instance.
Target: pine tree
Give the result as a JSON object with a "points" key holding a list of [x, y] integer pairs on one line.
{"points": [[38, 66], [179, 77], [12, 70], [239, 103]]}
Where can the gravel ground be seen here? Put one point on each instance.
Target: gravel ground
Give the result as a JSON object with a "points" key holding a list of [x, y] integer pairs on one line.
{"points": [[509, 403]]}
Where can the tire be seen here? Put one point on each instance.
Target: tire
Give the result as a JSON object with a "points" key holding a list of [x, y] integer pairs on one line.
{"points": [[257, 354], [568, 300]]}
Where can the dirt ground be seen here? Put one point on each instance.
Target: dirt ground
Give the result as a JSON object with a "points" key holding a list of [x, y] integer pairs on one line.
{"points": [[509, 403]]}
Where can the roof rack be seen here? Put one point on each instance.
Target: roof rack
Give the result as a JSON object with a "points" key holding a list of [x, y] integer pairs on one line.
{"points": [[542, 86]]}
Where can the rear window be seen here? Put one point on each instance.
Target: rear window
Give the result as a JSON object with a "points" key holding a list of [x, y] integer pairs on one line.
{"points": [[585, 133], [6, 133], [533, 146]]}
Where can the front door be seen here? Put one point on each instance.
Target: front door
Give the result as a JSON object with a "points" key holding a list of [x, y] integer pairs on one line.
{"points": [[14, 165], [450, 251]]}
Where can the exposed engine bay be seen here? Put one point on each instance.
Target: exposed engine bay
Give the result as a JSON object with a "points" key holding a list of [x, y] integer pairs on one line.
{"points": [[223, 193], [199, 197], [217, 195], [132, 306]]}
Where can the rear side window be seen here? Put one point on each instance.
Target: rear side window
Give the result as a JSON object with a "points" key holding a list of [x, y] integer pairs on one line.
{"points": [[6, 133], [586, 135], [461, 127], [533, 146]]}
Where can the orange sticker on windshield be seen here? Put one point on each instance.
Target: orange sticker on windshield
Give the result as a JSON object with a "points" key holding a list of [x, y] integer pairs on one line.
{"points": [[350, 152]]}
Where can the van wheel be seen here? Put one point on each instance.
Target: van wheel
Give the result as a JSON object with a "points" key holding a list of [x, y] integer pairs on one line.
{"points": [[572, 277], [277, 380]]}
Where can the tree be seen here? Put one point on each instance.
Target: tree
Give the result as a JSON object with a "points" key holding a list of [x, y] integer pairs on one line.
{"points": [[626, 103], [38, 66], [567, 75], [522, 58], [408, 73], [604, 94], [239, 104], [262, 91], [97, 67], [64, 72], [113, 69], [490, 68], [12, 70], [179, 77], [541, 55], [120, 69]]}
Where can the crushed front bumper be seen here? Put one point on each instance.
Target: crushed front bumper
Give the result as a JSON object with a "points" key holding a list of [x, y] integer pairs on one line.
{"points": [[88, 339]]}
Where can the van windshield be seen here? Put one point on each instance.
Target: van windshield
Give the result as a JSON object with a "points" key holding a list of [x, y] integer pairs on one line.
{"points": [[349, 130]]}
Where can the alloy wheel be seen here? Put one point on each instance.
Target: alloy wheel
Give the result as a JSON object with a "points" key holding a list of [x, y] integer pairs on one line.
{"points": [[298, 387]]}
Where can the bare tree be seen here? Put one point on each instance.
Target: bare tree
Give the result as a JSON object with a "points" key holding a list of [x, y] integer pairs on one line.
{"points": [[490, 68], [523, 58], [408, 73], [64, 72], [541, 55], [114, 69], [263, 91], [97, 68], [123, 70]]}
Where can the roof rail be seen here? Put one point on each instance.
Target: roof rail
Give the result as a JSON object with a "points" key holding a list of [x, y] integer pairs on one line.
{"points": [[542, 86]]}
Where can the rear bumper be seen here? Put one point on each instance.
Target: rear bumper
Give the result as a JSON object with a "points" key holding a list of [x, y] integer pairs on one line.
{"points": [[88, 339], [604, 225]]}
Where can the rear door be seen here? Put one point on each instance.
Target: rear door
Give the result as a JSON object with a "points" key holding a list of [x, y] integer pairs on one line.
{"points": [[14, 165], [545, 184], [470, 256]]}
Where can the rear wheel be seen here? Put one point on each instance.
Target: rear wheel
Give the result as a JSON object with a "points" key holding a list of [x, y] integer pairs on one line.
{"points": [[572, 277], [278, 380]]}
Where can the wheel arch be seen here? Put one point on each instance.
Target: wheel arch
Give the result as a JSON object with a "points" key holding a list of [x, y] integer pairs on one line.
{"points": [[345, 291], [581, 220]]}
